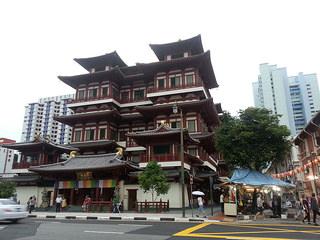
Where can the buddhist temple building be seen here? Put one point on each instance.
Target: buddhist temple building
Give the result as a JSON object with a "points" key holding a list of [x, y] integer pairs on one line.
{"points": [[124, 117]]}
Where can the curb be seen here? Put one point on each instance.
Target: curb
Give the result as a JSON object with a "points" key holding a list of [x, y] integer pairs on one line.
{"points": [[124, 218]]}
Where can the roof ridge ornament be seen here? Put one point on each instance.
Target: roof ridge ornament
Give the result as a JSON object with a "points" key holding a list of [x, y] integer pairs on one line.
{"points": [[119, 152]]}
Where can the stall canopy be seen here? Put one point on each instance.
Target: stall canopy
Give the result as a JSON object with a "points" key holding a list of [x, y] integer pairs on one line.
{"points": [[255, 178]]}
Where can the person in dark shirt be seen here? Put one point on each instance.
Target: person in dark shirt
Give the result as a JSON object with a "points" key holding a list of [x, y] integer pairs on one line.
{"points": [[306, 209], [315, 208]]}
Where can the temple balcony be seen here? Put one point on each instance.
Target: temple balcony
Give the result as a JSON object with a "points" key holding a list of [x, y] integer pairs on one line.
{"points": [[196, 87], [108, 99]]}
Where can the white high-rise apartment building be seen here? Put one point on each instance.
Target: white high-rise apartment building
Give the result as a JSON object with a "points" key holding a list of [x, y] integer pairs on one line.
{"points": [[295, 98], [39, 116]]}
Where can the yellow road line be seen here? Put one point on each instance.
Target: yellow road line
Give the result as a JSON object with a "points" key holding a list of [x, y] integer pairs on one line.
{"points": [[232, 237], [257, 232], [192, 229]]}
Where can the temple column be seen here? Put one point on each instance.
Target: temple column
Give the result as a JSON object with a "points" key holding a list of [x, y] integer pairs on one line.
{"points": [[71, 196]]}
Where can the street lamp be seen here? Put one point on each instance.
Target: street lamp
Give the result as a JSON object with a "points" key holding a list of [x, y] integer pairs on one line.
{"points": [[175, 111]]}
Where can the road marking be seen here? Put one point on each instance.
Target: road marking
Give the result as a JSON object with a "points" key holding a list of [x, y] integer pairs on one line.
{"points": [[104, 232], [135, 225], [3, 227], [189, 232]]}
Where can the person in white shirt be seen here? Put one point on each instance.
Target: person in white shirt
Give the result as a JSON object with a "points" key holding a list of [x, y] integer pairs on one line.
{"points": [[259, 204], [58, 203], [200, 206], [222, 202]]}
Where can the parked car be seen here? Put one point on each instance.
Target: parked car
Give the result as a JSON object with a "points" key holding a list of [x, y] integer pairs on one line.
{"points": [[10, 210]]}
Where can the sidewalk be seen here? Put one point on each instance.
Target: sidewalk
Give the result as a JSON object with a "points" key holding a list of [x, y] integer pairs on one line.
{"points": [[171, 216]]}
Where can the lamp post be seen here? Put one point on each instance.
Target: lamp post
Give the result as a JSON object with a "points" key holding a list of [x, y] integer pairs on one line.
{"points": [[175, 110]]}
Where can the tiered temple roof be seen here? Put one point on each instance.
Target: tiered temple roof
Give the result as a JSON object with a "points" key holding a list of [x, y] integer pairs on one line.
{"points": [[100, 62], [85, 162], [193, 45]]}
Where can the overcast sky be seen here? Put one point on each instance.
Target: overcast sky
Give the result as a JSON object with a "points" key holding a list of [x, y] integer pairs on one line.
{"points": [[39, 40]]}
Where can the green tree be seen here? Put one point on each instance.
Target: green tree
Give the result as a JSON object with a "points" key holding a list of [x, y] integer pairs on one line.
{"points": [[153, 179], [7, 189], [252, 140]]}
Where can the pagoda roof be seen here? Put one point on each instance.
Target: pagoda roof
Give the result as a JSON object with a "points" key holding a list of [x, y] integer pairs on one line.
{"points": [[162, 132], [74, 81], [193, 45], [109, 59], [205, 106], [85, 162], [312, 126], [84, 117], [100, 144], [206, 140], [146, 70], [40, 145]]}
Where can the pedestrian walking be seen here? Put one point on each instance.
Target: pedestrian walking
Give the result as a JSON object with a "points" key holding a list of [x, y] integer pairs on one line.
{"points": [[31, 204], [306, 209], [314, 208], [200, 206], [64, 204], [222, 202], [58, 203], [259, 205], [86, 203]]}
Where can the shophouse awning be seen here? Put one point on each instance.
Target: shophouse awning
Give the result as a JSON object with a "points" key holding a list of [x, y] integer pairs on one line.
{"points": [[255, 178]]}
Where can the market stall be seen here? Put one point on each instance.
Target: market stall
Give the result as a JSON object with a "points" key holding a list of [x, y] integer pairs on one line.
{"points": [[246, 186]]}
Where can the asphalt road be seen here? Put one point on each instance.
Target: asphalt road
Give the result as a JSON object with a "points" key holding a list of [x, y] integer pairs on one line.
{"points": [[36, 229]]}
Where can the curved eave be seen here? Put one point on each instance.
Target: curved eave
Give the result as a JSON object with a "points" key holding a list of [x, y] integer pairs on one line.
{"points": [[75, 81], [193, 44], [84, 117], [39, 146], [102, 144], [172, 136], [201, 61], [109, 59], [205, 106], [310, 128]]}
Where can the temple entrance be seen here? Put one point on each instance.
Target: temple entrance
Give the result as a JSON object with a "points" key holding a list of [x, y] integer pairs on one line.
{"points": [[132, 199], [81, 193]]}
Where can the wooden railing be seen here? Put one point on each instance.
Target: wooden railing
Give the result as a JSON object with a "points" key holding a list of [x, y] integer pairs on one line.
{"points": [[152, 206], [100, 206], [184, 86], [160, 157], [87, 99]]}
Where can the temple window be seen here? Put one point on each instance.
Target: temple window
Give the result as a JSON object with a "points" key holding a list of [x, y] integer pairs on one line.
{"points": [[161, 149], [192, 125], [81, 94], [122, 135], [32, 158], [175, 124], [93, 92], [189, 79], [113, 134], [77, 135], [102, 133], [175, 81], [161, 83], [193, 151], [115, 92], [125, 96], [89, 134], [138, 94], [105, 91]]}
